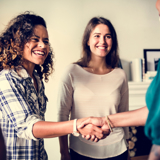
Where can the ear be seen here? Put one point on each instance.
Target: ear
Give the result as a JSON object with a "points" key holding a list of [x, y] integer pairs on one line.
{"points": [[88, 43]]}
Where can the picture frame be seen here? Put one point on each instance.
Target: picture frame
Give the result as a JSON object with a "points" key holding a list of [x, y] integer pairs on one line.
{"points": [[151, 58]]}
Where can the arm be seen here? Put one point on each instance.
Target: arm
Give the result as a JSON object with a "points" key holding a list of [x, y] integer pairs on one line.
{"points": [[136, 117], [29, 125], [44, 129], [15, 107], [124, 119], [64, 103]]}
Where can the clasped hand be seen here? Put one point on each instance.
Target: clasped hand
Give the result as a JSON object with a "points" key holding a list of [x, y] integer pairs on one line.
{"points": [[94, 128]]}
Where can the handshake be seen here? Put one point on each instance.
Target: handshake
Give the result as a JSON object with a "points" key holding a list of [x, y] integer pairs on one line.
{"points": [[94, 128]]}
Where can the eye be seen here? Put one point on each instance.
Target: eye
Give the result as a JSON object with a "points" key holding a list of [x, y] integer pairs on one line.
{"points": [[96, 36], [46, 42], [34, 39], [108, 36]]}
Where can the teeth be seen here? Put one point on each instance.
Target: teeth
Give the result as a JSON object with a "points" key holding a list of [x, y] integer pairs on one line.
{"points": [[101, 47], [39, 52]]}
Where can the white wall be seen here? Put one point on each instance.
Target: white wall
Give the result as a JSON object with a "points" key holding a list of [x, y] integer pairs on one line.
{"points": [[136, 23]]}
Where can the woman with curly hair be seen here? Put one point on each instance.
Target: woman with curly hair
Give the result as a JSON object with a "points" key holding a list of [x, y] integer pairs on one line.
{"points": [[95, 86], [26, 58]]}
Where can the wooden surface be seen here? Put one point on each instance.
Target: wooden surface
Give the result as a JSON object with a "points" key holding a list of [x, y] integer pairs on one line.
{"points": [[140, 158]]}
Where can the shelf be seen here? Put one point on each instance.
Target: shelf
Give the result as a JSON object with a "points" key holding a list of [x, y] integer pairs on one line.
{"points": [[137, 92]]}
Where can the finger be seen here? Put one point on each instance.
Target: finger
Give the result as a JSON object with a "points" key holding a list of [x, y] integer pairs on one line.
{"points": [[107, 132], [105, 127], [104, 136], [98, 134], [97, 129], [87, 121], [96, 139], [88, 137], [83, 136], [92, 137]]}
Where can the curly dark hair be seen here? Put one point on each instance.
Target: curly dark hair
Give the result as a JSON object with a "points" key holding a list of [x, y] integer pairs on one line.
{"points": [[12, 40], [112, 57]]}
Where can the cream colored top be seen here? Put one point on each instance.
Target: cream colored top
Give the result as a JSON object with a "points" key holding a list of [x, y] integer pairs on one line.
{"points": [[85, 94]]}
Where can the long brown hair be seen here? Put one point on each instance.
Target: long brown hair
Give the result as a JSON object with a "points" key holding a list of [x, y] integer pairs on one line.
{"points": [[12, 41], [112, 57]]}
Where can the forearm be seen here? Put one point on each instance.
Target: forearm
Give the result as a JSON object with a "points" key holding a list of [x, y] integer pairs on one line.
{"points": [[43, 129], [130, 118]]}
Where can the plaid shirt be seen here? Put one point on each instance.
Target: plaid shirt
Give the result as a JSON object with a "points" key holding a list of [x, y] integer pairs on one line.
{"points": [[20, 107]]}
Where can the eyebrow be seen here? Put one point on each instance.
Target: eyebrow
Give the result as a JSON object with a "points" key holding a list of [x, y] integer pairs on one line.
{"points": [[100, 33], [39, 37]]}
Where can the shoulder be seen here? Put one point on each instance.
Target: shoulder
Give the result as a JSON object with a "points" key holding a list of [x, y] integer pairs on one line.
{"points": [[10, 76], [6, 79], [70, 71], [71, 67], [121, 78], [5, 74], [120, 72], [4, 71]]}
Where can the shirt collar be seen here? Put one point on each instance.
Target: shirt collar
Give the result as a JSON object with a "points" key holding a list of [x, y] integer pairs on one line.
{"points": [[22, 74]]}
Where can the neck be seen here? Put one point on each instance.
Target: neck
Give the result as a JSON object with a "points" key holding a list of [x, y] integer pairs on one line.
{"points": [[29, 69], [98, 65]]}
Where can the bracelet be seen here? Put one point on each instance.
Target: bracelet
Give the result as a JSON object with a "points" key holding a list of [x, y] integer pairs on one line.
{"points": [[75, 132], [109, 124]]}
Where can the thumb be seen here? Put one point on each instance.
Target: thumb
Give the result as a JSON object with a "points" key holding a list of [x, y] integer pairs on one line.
{"points": [[85, 122]]}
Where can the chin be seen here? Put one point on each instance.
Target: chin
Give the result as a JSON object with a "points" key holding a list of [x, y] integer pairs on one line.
{"points": [[39, 63]]}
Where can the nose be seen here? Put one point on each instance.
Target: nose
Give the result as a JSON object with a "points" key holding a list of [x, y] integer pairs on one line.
{"points": [[102, 40], [41, 44]]}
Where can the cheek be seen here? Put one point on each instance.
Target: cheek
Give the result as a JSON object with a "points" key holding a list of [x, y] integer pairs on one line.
{"points": [[110, 43], [27, 47], [25, 50], [48, 49]]}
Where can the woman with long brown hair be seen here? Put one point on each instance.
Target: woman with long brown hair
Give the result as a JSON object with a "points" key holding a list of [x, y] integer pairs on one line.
{"points": [[95, 86]]}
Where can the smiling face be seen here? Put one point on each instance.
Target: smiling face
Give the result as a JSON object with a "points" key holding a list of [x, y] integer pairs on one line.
{"points": [[37, 48], [100, 41]]}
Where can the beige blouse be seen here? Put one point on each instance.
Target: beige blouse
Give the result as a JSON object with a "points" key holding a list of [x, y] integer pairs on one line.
{"points": [[84, 94]]}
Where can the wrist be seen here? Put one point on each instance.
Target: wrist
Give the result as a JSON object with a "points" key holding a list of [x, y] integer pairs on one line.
{"points": [[75, 131], [105, 121], [110, 120]]}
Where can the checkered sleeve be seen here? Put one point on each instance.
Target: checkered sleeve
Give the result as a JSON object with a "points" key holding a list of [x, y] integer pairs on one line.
{"points": [[16, 109]]}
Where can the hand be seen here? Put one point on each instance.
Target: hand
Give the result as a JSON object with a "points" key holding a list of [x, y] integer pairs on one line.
{"points": [[98, 121], [92, 130], [94, 138]]}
